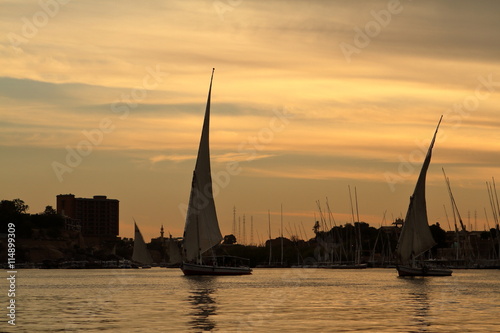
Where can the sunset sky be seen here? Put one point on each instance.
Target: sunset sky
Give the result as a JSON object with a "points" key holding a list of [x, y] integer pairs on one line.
{"points": [[309, 97]]}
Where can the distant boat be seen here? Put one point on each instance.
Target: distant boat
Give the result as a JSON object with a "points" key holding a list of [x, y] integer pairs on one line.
{"points": [[141, 255], [416, 237], [345, 266], [174, 254], [201, 231]]}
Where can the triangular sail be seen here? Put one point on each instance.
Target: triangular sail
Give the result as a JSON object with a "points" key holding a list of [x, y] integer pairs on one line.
{"points": [[201, 231], [174, 252], [416, 236], [141, 253]]}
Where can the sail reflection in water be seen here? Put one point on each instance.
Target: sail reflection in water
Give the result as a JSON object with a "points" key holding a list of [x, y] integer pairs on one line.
{"points": [[419, 300], [202, 303], [270, 300]]}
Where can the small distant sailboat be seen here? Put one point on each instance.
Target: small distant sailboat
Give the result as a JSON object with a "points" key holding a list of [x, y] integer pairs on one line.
{"points": [[416, 237], [174, 254], [141, 255], [201, 231]]}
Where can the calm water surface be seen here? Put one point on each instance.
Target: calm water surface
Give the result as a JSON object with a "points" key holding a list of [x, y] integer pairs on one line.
{"points": [[270, 300]]}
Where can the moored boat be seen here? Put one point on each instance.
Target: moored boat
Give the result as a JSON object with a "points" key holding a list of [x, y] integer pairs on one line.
{"points": [[423, 271], [223, 265]]}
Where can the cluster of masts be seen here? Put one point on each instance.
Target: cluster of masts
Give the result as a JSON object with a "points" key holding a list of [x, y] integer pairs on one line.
{"points": [[494, 204], [493, 197], [327, 221], [239, 229]]}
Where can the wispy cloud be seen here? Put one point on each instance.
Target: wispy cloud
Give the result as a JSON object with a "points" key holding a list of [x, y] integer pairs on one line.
{"points": [[173, 158]]}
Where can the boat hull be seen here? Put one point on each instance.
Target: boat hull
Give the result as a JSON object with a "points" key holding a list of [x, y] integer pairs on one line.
{"points": [[334, 266], [423, 271], [195, 269], [347, 266]]}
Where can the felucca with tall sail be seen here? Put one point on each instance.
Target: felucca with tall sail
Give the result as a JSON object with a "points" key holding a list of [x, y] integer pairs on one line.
{"points": [[201, 231], [141, 255], [416, 237]]}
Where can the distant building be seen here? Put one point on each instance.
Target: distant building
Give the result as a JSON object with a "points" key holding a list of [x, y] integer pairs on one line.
{"points": [[72, 224], [98, 217], [398, 222]]}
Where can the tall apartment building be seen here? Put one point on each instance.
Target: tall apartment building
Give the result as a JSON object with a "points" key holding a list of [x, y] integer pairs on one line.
{"points": [[98, 216]]}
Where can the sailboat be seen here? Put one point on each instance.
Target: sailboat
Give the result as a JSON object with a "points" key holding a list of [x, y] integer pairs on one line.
{"points": [[201, 231], [141, 254], [174, 253], [416, 237]]}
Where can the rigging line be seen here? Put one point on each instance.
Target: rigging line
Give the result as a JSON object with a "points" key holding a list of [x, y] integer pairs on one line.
{"points": [[356, 197], [492, 205], [447, 219], [330, 214], [383, 219], [352, 208], [322, 217], [453, 203], [496, 196]]}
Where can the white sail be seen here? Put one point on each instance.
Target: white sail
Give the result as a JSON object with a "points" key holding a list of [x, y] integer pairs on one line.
{"points": [[416, 236], [174, 252], [141, 253], [201, 231]]}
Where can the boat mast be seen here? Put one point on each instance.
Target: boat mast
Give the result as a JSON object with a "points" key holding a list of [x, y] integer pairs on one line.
{"points": [[234, 220], [251, 229], [498, 211], [358, 240], [244, 232], [467, 251], [198, 239], [496, 194], [492, 194], [281, 234], [270, 242], [354, 254]]}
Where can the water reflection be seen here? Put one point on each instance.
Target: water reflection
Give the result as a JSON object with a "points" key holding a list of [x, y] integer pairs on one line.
{"points": [[202, 301], [419, 303]]}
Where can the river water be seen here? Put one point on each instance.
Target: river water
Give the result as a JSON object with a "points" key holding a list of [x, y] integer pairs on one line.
{"points": [[269, 300]]}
